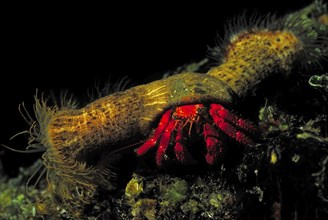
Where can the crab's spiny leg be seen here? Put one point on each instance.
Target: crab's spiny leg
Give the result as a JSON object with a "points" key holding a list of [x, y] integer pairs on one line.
{"points": [[165, 141], [242, 138], [228, 128], [179, 149], [227, 115], [213, 144], [150, 143]]}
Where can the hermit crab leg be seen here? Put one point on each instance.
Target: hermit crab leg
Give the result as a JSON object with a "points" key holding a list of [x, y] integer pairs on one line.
{"points": [[213, 144], [227, 115], [179, 149], [150, 143], [164, 143], [226, 127]]}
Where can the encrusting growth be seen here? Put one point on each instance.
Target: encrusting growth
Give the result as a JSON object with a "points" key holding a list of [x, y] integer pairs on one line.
{"points": [[76, 140], [252, 56]]}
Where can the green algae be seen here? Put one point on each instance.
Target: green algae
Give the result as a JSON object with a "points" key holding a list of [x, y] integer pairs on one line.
{"points": [[134, 187], [14, 203], [191, 206], [144, 208], [319, 81], [174, 192]]}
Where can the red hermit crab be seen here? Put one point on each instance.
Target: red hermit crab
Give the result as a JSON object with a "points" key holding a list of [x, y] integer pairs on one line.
{"points": [[177, 123]]}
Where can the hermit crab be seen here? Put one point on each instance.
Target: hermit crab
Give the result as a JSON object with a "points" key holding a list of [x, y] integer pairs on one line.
{"points": [[208, 120]]}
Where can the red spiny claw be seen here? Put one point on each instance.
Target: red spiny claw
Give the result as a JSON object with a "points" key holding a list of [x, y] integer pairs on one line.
{"points": [[151, 142], [213, 144], [181, 153], [227, 115], [164, 143], [179, 149], [227, 121]]}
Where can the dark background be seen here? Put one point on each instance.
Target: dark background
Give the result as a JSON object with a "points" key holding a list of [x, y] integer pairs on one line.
{"points": [[56, 47]]}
